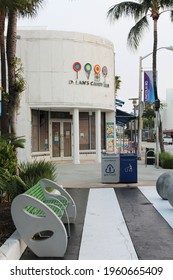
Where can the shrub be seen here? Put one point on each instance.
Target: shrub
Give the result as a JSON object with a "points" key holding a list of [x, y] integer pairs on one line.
{"points": [[11, 185], [8, 158], [8, 155], [166, 160], [32, 172], [29, 174]]}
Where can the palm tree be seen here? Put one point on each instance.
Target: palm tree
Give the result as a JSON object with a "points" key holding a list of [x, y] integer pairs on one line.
{"points": [[23, 8], [4, 120], [141, 12], [117, 84], [12, 8], [4, 6]]}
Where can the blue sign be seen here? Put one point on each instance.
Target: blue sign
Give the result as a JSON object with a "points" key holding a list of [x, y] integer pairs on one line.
{"points": [[148, 87]]}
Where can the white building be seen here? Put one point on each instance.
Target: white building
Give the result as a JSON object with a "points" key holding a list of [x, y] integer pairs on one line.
{"points": [[167, 112], [67, 110]]}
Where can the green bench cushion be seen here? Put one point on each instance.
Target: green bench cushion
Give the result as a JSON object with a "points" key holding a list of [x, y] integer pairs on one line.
{"points": [[57, 205]]}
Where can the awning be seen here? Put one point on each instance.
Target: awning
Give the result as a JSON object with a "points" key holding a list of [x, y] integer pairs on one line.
{"points": [[119, 102], [122, 118]]}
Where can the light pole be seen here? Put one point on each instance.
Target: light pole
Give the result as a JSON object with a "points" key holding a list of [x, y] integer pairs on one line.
{"points": [[141, 58], [134, 102]]}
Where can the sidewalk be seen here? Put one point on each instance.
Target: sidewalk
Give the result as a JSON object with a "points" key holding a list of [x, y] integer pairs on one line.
{"points": [[88, 175], [83, 180]]}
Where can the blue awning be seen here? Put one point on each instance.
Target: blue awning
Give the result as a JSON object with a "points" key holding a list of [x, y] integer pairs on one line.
{"points": [[119, 102], [122, 118]]}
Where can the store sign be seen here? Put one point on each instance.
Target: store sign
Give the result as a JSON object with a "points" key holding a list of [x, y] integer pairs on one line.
{"points": [[100, 75], [87, 83]]}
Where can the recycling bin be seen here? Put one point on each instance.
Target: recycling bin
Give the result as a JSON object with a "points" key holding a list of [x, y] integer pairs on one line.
{"points": [[110, 165], [128, 168], [149, 156]]}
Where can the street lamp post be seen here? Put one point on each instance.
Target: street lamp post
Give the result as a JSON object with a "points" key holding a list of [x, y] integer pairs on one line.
{"points": [[141, 58], [134, 102]]}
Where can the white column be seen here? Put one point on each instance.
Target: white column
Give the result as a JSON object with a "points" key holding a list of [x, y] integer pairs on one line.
{"points": [[98, 135], [76, 157]]}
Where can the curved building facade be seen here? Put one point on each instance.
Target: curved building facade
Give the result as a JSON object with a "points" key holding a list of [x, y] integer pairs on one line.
{"points": [[67, 110]]}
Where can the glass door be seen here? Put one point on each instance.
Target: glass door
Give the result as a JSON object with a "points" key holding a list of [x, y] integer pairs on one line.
{"points": [[56, 139], [67, 139], [61, 139]]}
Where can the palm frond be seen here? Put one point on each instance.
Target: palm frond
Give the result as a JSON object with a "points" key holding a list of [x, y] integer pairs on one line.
{"points": [[168, 4], [19, 143], [32, 172], [136, 32], [29, 7], [16, 142], [24, 7], [128, 9], [171, 15]]}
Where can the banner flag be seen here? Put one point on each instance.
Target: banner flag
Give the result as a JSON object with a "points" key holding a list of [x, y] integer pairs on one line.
{"points": [[148, 87]]}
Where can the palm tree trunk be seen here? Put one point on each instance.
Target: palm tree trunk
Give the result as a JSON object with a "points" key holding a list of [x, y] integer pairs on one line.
{"points": [[11, 55], [155, 62], [157, 101], [4, 118], [162, 148]]}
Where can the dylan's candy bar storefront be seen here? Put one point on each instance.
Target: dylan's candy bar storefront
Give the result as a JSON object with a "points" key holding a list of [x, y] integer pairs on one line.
{"points": [[67, 111]]}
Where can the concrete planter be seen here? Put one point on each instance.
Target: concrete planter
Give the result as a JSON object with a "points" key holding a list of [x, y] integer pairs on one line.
{"points": [[13, 248]]}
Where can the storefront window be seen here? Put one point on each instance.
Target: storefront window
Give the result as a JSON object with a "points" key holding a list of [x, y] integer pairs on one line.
{"points": [[103, 131], [87, 131], [39, 131]]}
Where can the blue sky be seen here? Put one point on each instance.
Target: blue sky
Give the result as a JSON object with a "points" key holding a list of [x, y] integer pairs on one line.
{"points": [[89, 16]]}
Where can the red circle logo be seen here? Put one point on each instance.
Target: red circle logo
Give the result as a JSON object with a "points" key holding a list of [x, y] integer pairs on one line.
{"points": [[77, 66]]}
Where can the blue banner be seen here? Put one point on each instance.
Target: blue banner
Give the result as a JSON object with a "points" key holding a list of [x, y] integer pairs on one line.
{"points": [[148, 87]]}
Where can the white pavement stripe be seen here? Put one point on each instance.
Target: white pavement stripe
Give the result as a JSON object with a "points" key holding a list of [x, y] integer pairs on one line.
{"points": [[161, 205], [105, 235]]}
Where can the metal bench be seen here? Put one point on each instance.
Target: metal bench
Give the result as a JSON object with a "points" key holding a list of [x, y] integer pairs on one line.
{"points": [[39, 215]]}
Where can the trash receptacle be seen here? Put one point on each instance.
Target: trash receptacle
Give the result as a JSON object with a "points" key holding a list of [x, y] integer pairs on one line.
{"points": [[149, 156], [110, 168], [128, 168]]}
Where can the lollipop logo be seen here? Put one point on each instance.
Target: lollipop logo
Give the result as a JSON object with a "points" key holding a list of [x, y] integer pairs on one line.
{"points": [[98, 71], [88, 69], [77, 67], [104, 72]]}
